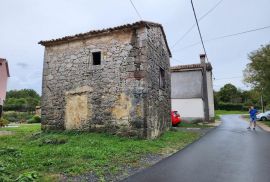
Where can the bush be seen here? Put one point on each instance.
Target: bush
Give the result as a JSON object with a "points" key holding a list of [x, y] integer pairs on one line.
{"points": [[230, 106], [234, 106], [3, 122], [21, 117], [34, 119]]}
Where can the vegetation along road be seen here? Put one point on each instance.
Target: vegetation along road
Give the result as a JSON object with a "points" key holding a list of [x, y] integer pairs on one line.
{"points": [[26, 154]]}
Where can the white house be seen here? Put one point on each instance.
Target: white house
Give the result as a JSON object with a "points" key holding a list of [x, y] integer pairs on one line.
{"points": [[187, 93]]}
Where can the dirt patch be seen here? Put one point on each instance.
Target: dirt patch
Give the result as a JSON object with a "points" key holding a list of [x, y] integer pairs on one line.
{"points": [[4, 133], [126, 171], [87, 177], [201, 131]]}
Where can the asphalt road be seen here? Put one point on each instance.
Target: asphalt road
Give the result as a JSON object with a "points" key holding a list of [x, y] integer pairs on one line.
{"points": [[229, 153]]}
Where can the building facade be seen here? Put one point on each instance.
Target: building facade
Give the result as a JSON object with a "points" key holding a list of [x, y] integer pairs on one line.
{"points": [[4, 74], [188, 97], [114, 80]]}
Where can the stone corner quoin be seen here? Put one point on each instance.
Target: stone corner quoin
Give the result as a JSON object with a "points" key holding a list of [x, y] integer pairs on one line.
{"points": [[115, 81]]}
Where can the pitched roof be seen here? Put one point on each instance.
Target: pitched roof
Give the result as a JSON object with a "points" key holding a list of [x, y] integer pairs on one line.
{"points": [[105, 31], [6, 63], [190, 67]]}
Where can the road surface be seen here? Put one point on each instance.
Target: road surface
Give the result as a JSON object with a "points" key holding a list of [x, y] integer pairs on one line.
{"points": [[229, 153]]}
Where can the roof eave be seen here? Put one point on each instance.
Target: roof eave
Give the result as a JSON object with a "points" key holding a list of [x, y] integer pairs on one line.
{"points": [[89, 34], [7, 69]]}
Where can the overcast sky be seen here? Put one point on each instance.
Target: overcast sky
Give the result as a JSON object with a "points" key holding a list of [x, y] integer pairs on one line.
{"points": [[25, 22]]}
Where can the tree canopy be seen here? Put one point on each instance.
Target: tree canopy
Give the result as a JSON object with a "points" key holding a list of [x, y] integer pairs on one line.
{"points": [[228, 93], [21, 100], [257, 72], [231, 98]]}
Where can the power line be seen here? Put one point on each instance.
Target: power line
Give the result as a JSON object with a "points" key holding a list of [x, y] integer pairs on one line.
{"points": [[228, 78], [191, 27], [135, 9], [226, 36], [199, 29], [235, 34]]}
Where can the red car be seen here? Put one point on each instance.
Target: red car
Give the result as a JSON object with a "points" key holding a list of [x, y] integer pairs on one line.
{"points": [[175, 118]]}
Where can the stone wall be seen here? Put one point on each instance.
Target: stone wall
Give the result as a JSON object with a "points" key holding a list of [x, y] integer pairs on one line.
{"points": [[158, 99], [120, 96]]}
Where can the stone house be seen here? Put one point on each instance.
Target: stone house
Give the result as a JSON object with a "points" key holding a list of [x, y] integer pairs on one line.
{"points": [[187, 94], [4, 74], [115, 80]]}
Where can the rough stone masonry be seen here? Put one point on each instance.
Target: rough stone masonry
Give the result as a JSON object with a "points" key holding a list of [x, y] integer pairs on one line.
{"points": [[114, 80]]}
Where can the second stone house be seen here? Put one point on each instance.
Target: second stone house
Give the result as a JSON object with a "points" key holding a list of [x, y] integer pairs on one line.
{"points": [[114, 80]]}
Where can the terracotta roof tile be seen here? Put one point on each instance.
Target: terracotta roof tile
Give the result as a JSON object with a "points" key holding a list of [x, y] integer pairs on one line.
{"points": [[190, 67]]}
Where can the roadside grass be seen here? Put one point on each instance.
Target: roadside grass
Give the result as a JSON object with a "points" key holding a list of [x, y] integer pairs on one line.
{"points": [[30, 153], [224, 112], [266, 122], [193, 125]]}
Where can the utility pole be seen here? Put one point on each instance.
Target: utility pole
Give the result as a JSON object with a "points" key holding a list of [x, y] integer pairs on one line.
{"points": [[204, 72], [1, 108], [262, 101]]}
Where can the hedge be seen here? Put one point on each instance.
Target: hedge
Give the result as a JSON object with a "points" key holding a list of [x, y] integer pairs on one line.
{"points": [[233, 106]]}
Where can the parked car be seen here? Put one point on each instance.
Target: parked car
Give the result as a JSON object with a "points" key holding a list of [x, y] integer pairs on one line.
{"points": [[175, 116], [263, 116]]}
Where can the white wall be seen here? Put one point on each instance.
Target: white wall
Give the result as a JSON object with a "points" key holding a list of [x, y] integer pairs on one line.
{"points": [[189, 108]]}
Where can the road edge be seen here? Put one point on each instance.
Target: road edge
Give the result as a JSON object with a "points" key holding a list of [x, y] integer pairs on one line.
{"points": [[172, 154], [263, 126]]}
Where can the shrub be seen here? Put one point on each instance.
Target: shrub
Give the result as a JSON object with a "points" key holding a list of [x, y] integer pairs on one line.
{"points": [[3, 122], [34, 119], [12, 116], [228, 106]]}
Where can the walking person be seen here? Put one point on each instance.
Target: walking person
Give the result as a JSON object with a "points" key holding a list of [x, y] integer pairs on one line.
{"points": [[252, 114]]}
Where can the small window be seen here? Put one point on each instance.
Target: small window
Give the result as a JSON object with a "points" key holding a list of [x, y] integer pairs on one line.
{"points": [[96, 58], [161, 78]]}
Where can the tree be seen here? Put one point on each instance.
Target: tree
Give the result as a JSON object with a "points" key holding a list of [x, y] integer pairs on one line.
{"points": [[21, 100], [228, 93], [257, 72]]}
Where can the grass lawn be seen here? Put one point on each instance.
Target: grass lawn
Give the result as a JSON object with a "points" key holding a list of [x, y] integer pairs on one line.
{"points": [[29, 153], [224, 112]]}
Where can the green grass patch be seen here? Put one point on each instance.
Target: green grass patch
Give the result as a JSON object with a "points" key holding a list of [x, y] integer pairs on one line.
{"points": [[218, 113], [193, 125], [30, 153], [223, 112], [266, 123]]}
